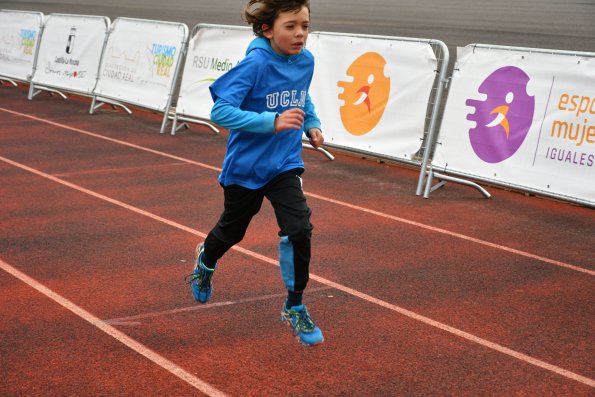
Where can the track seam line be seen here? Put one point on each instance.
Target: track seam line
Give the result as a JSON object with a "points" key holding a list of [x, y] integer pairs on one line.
{"points": [[114, 333], [327, 199], [128, 320], [368, 298], [117, 169]]}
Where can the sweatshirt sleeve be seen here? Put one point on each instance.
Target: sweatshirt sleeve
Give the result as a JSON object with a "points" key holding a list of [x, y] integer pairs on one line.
{"points": [[311, 120], [232, 117]]}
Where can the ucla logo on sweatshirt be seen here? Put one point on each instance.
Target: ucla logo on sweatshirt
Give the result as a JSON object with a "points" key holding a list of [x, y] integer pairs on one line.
{"points": [[286, 99]]}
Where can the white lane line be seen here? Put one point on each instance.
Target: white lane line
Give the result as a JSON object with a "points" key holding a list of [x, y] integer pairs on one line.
{"points": [[459, 235], [132, 145], [358, 294], [329, 200], [114, 333]]}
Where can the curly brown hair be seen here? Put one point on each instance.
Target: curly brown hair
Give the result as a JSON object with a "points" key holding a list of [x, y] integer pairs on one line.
{"points": [[264, 12]]}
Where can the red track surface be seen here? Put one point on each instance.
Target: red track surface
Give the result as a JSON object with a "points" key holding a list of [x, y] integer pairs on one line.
{"points": [[455, 295]]}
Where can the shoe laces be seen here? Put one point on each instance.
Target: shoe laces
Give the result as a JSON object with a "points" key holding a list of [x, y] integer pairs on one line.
{"points": [[304, 321], [201, 277]]}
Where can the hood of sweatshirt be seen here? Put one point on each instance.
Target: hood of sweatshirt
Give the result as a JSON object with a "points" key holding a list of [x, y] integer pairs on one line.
{"points": [[265, 44]]}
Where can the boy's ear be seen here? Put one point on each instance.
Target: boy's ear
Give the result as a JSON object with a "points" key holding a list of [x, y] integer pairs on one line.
{"points": [[267, 31]]}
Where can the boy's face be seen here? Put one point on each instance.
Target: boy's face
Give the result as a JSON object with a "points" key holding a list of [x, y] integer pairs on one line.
{"points": [[289, 32]]}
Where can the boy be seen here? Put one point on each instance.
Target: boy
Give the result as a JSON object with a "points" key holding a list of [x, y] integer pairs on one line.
{"points": [[264, 103]]}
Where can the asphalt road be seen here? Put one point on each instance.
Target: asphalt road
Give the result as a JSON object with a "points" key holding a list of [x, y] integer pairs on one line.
{"points": [[550, 24]]}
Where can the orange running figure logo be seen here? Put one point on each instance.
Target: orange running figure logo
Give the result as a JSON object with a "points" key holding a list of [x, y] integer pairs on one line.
{"points": [[365, 98]]}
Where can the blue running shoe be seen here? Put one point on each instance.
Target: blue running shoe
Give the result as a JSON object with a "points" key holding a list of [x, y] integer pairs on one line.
{"points": [[201, 279], [302, 325]]}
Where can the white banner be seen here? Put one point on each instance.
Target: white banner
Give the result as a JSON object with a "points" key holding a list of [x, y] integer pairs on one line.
{"points": [[372, 93], [522, 119], [19, 32], [70, 52], [212, 51], [140, 61]]}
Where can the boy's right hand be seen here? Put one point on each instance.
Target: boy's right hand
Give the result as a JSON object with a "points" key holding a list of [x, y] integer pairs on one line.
{"points": [[290, 119]]}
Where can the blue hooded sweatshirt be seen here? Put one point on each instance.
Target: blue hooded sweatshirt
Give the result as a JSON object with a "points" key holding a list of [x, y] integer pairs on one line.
{"points": [[247, 99]]}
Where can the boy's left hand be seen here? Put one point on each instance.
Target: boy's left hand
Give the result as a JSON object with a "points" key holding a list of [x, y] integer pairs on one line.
{"points": [[316, 138]]}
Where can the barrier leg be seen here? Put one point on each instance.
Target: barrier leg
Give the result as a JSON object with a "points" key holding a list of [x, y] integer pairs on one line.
{"points": [[177, 127], [164, 122], [187, 120], [92, 108], [446, 178], [33, 93], [174, 123], [102, 101], [3, 80], [320, 149], [430, 177], [211, 126], [30, 95]]}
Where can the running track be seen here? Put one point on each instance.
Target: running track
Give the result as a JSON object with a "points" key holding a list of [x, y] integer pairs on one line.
{"points": [[99, 215]]}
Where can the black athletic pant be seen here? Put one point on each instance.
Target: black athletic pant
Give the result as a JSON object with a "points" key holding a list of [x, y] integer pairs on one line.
{"points": [[293, 217]]}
